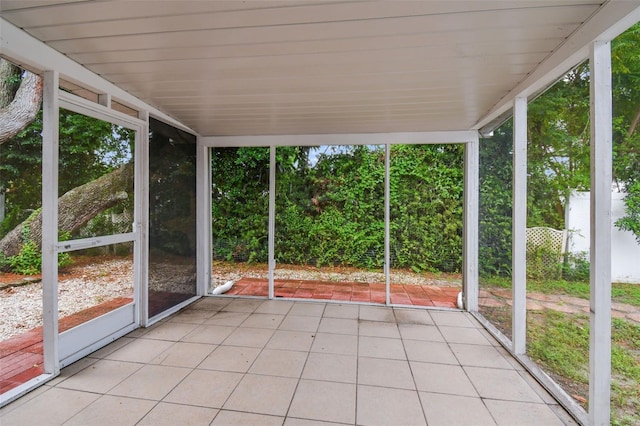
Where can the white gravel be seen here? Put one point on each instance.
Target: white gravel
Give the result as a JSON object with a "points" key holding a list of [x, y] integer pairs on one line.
{"points": [[21, 307], [223, 273]]}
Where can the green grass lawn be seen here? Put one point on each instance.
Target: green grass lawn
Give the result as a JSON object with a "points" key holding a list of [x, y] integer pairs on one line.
{"points": [[560, 344]]}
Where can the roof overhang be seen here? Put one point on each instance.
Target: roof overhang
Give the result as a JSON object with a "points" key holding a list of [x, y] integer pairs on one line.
{"points": [[288, 68]]}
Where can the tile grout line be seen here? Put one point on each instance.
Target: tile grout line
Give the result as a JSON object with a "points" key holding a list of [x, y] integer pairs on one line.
{"points": [[413, 378], [357, 386], [460, 365], [244, 375], [217, 346], [286, 415], [162, 400], [222, 344]]}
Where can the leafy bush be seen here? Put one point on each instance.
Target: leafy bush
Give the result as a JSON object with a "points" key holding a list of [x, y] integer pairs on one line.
{"points": [[28, 261], [631, 221], [4, 262], [331, 212], [543, 263], [494, 251], [576, 268], [64, 259]]}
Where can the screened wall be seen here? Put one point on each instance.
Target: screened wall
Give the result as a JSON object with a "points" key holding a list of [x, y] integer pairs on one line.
{"points": [[331, 208], [172, 217]]}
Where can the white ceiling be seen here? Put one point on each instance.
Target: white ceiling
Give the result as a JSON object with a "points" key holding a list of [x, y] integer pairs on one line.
{"points": [[313, 67]]}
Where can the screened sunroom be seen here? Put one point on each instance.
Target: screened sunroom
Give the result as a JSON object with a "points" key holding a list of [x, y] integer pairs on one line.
{"points": [[276, 212]]}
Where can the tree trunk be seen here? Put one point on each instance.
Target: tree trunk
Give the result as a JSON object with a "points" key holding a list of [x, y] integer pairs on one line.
{"points": [[634, 123], [9, 82], [24, 107], [75, 208]]}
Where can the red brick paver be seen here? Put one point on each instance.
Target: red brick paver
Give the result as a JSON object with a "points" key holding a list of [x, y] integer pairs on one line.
{"points": [[413, 295], [21, 356]]}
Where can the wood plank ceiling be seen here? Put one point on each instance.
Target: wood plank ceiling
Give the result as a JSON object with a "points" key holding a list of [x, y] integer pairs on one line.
{"points": [[312, 67]]}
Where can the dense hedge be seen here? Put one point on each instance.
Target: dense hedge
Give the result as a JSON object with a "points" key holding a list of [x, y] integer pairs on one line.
{"points": [[330, 206], [494, 239]]}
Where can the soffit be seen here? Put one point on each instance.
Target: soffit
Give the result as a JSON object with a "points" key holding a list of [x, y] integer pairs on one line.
{"points": [[289, 67]]}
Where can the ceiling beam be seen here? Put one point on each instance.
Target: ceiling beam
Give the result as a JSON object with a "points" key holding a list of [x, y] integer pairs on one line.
{"points": [[342, 139]]}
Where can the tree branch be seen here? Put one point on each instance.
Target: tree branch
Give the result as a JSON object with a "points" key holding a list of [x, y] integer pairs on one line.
{"points": [[634, 123], [76, 208], [23, 109]]}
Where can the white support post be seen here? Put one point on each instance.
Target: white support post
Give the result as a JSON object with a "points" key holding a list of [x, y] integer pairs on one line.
{"points": [[519, 229], [203, 218], [601, 181], [50, 123], [141, 215], [470, 238], [272, 218], [387, 219]]}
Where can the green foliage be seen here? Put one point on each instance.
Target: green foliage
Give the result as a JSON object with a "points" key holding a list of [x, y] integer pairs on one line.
{"points": [[543, 263], [240, 203], [5, 265], [330, 210], [89, 148], [558, 158], [560, 344], [544, 256], [494, 239], [20, 175], [625, 55], [625, 52], [172, 192], [64, 259], [558, 148], [559, 135], [631, 221], [115, 220], [426, 207], [28, 261], [576, 268]]}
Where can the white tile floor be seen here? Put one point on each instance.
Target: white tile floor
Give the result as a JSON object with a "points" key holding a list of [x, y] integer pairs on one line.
{"points": [[226, 361]]}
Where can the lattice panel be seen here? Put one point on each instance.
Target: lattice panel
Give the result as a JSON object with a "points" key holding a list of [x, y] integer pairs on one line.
{"points": [[550, 238], [545, 250]]}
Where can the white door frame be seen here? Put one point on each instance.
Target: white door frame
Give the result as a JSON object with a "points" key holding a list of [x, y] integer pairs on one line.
{"points": [[62, 349]]}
